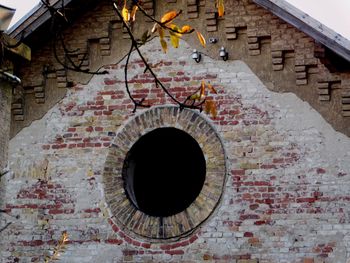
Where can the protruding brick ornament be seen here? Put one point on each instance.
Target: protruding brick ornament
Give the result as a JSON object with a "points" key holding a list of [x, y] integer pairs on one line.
{"points": [[39, 94], [17, 110], [192, 9], [324, 88], [346, 102], [211, 20]]}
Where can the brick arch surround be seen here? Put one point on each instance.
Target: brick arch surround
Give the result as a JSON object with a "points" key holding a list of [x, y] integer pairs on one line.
{"points": [[124, 214]]}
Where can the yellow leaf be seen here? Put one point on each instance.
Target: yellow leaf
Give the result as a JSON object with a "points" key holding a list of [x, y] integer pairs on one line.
{"points": [[211, 88], [125, 14], [164, 45], [186, 29], [161, 32], [173, 26], [202, 90], [195, 96], [210, 107], [207, 106], [168, 17], [144, 37], [213, 110], [161, 39], [174, 39], [201, 39], [176, 30], [221, 7], [65, 236], [133, 13], [90, 173]]}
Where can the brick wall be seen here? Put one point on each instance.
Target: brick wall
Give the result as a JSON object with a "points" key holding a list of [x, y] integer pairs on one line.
{"points": [[5, 117], [285, 198], [283, 57]]}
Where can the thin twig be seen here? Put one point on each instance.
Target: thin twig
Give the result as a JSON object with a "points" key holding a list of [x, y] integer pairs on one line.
{"points": [[3, 173], [6, 226], [136, 103]]}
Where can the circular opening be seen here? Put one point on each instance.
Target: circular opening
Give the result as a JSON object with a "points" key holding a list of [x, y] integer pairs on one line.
{"points": [[164, 172]]}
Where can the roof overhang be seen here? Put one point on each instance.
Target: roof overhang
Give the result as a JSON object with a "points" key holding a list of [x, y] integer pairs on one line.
{"points": [[34, 19], [282, 9], [308, 25]]}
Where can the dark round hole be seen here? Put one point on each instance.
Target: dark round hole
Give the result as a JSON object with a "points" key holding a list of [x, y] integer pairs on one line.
{"points": [[164, 172]]}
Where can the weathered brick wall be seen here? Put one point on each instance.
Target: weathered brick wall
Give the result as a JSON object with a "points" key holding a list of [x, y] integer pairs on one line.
{"points": [[283, 57], [286, 198], [5, 118]]}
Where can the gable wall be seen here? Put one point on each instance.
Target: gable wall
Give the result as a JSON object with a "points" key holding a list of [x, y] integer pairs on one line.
{"points": [[5, 117], [282, 56], [286, 193]]}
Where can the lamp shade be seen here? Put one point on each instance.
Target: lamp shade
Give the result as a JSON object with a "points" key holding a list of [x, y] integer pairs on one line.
{"points": [[6, 15], [195, 54]]}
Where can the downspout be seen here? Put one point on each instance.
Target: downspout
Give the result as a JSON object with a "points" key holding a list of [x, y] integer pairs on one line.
{"points": [[10, 77]]}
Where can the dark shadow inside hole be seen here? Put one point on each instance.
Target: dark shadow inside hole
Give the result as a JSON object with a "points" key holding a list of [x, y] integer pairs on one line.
{"points": [[164, 172]]}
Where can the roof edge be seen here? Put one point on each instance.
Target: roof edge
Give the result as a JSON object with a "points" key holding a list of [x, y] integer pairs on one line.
{"points": [[24, 18], [282, 9], [34, 19], [308, 25]]}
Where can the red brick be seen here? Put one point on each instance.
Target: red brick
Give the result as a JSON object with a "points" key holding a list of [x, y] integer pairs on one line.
{"points": [[114, 241], [146, 245], [108, 81], [248, 234], [175, 252], [321, 171]]}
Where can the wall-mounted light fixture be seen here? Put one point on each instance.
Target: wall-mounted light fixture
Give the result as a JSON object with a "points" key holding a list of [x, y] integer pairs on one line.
{"points": [[9, 77], [213, 40], [196, 55], [223, 53]]}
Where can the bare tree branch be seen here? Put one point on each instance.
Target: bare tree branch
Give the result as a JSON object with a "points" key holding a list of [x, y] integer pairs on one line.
{"points": [[135, 46], [56, 29]]}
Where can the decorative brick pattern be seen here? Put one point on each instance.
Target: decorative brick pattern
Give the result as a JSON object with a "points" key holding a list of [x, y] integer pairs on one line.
{"points": [[301, 75], [17, 110], [192, 9], [61, 78], [277, 60], [230, 31], [127, 215], [105, 46], [211, 20], [39, 94], [5, 117], [325, 87], [324, 91], [346, 102], [259, 28]]}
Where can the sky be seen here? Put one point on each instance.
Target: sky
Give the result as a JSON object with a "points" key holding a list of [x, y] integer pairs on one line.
{"points": [[22, 7], [334, 14]]}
